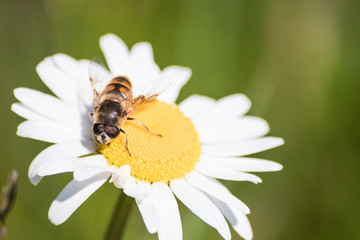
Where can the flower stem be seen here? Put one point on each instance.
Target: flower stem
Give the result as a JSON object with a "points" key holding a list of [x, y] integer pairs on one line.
{"points": [[117, 224]]}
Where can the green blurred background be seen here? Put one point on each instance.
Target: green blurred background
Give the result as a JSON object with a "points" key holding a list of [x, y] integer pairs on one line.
{"points": [[298, 61]]}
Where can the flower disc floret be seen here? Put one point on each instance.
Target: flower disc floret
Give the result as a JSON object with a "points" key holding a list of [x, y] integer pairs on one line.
{"points": [[154, 158]]}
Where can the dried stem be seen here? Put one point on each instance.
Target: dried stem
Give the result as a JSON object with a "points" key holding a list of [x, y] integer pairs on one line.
{"points": [[8, 195]]}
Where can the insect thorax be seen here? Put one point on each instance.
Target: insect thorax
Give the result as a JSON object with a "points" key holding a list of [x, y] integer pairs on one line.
{"points": [[109, 112]]}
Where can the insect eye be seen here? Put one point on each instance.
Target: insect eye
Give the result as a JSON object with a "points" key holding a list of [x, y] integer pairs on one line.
{"points": [[98, 128], [112, 131]]}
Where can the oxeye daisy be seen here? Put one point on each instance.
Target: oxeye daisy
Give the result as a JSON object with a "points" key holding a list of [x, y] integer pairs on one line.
{"points": [[202, 140]]}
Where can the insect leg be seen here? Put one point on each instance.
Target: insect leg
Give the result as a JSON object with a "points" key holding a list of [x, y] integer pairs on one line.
{"points": [[131, 118], [140, 101], [126, 141], [91, 116]]}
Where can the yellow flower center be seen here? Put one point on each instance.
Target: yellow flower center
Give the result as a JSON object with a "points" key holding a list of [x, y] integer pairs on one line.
{"points": [[154, 158]]}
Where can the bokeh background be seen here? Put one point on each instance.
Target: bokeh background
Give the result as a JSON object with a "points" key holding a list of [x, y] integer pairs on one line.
{"points": [[297, 60]]}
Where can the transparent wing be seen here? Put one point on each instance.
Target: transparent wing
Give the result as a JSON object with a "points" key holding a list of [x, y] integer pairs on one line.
{"points": [[99, 78], [154, 87], [148, 92]]}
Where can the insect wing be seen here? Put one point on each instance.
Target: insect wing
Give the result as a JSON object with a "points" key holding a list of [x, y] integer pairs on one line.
{"points": [[99, 78], [155, 87], [149, 92]]}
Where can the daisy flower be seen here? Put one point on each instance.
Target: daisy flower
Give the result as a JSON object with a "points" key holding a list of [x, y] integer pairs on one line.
{"points": [[202, 140]]}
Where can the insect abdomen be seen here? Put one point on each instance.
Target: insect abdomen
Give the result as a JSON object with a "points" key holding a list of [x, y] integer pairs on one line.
{"points": [[119, 85], [123, 81]]}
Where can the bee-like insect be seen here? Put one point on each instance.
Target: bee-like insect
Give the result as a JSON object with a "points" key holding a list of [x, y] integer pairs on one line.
{"points": [[112, 107]]}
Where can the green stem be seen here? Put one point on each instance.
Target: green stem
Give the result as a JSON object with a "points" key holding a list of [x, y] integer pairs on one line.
{"points": [[119, 218]]}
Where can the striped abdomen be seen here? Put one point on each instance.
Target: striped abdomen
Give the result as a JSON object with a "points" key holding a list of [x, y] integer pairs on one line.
{"points": [[120, 86]]}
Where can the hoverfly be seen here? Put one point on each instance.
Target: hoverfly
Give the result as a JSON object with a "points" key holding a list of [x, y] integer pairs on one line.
{"points": [[113, 104]]}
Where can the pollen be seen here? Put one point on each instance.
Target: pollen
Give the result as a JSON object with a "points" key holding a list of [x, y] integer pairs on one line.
{"points": [[156, 158]]}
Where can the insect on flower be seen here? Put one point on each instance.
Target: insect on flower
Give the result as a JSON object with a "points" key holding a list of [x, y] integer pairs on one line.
{"points": [[113, 104]]}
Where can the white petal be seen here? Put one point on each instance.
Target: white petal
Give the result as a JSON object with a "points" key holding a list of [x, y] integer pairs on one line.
{"points": [[85, 91], [201, 206], [84, 172], [142, 61], [46, 105], [226, 174], [143, 71], [142, 54], [71, 149], [134, 189], [237, 219], [67, 64], [196, 105], [147, 210], [229, 107], [51, 131], [168, 211], [72, 196], [96, 160], [116, 53], [178, 77], [215, 189], [242, 148], [76, 73], [52, 71], [25, 112], [241, 164], [121, 176], [56, 165], [232, 131]]}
